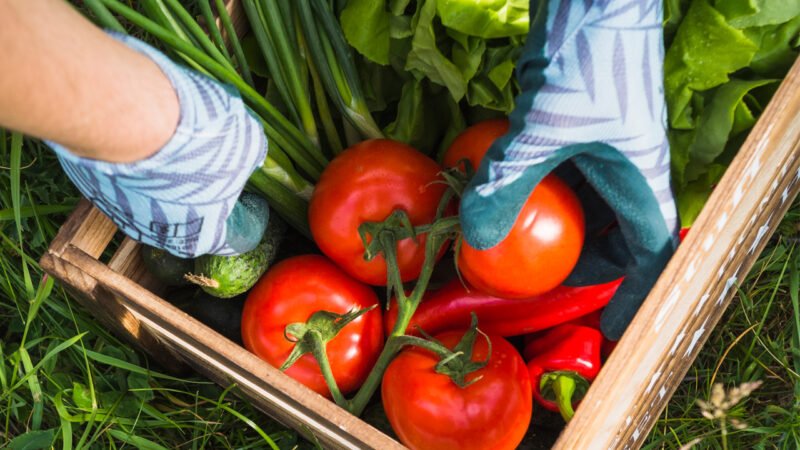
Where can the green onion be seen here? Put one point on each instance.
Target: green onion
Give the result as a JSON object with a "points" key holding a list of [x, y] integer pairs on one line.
{"points": [[225, 18], [271, 22], [213, 29], [332, 57]]}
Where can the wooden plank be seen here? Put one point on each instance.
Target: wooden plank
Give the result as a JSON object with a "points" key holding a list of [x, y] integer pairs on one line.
{"points": [[226, 362], [109, 310], [86, 228], [127, 261], [691, 295]]}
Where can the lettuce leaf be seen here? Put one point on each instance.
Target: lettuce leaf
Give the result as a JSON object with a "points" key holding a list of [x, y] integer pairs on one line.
{"points": [[758, 13], [426, 59], [725, 112], [365, 24], [485, 18], [705, 51], [776, 47]]}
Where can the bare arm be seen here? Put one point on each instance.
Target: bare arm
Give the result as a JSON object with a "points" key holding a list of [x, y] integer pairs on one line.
{"points": [[66, 81]]}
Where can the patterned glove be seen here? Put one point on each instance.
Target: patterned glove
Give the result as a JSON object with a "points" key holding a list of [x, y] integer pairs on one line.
{"points": [[591, 75], [183, 198]]}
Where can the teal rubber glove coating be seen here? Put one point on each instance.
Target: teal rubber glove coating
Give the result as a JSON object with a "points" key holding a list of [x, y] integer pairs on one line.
{"points": [[183, 198], [592, 97]]}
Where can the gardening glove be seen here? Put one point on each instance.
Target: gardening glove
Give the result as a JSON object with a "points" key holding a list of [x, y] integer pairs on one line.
{"points": [[592, 103], [183, 198]]}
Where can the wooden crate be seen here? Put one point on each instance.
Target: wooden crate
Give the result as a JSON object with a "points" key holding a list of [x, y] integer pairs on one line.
{"points": [[624, 401]]}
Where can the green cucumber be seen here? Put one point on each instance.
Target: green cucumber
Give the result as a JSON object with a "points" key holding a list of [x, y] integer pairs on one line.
{"points": [[166, 267], [229, 276]]}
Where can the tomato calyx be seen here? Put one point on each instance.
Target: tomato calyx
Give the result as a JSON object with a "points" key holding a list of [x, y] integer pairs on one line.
{"points": [[397, 226], [458, 363], [312, 337], [564, 387], [457, 179]]}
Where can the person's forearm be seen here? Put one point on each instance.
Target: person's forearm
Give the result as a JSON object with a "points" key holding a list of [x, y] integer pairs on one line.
{"points": [[66, 81]]}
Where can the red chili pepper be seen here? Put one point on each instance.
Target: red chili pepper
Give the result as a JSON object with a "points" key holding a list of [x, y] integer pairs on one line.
{"points": [[561, 361], [450, 307]]}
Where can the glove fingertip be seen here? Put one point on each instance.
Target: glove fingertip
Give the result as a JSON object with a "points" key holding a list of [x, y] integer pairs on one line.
{"points": [[247, 223]]}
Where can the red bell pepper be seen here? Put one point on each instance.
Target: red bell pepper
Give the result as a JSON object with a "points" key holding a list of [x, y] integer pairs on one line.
{"points": [[561, 361], [450, 307]]}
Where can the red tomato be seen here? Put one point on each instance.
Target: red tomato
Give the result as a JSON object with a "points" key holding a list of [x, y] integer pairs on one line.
{"points": [[473, 142], [290, 292], [540, 251], [428, 410], [367, 183]]}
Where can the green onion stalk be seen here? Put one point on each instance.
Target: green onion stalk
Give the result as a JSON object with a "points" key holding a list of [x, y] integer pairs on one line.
{"points": [[272, 24], [286, 188], [332, 58]]}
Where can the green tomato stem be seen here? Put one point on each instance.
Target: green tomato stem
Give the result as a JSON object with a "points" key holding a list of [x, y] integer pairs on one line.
{"points": [[406, 306], [318, 350]]}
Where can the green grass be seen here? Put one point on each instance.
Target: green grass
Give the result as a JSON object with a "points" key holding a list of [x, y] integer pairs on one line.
{"points": [[66, 382]]}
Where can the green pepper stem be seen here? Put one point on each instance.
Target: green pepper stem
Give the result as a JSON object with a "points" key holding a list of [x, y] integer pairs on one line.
{"points": [[564, 389]]}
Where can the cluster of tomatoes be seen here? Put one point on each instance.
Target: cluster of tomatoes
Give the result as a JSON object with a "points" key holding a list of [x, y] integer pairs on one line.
{"points": [[367, 183]]}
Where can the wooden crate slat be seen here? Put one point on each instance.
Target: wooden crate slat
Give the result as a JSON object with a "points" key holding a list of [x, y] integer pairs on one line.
{"points": [[86, 228], [691, 295], [127, 261], [108, 310], [226, 362]]}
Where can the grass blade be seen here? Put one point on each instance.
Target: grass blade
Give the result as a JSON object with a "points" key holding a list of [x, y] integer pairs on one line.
{"points": [[34, 386], [136, 441]]}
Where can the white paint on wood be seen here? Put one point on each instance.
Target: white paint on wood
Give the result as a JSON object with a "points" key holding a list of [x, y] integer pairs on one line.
{"points": [[708, 242], [702, 302], [691, 270], [722, 221], [728, 284], [662, 392], [677, 342], [762, 231], [672, 298], [652, 383], [737, 195], [696, 338]]}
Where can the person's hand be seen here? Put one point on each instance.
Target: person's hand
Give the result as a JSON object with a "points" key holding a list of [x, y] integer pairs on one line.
{"points": [[183, 198], [591, 76]]}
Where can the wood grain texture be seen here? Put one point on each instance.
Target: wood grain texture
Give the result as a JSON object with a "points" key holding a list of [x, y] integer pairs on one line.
{"points": [[127, 261], [108, 309], [86, 228], [691, 295], [226, 362]]}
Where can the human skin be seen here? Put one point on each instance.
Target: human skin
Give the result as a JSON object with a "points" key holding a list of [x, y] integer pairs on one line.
{"points": [[64, 80]]}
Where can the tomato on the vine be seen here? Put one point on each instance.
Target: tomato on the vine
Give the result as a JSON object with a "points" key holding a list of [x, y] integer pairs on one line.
{"points": [[291, 291], [366, 183], [428, 410], [472, 143], [539, 252]]}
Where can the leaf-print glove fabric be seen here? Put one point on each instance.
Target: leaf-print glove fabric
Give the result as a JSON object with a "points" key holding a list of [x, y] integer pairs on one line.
{"points": [[183, 198], [591, 76]]}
